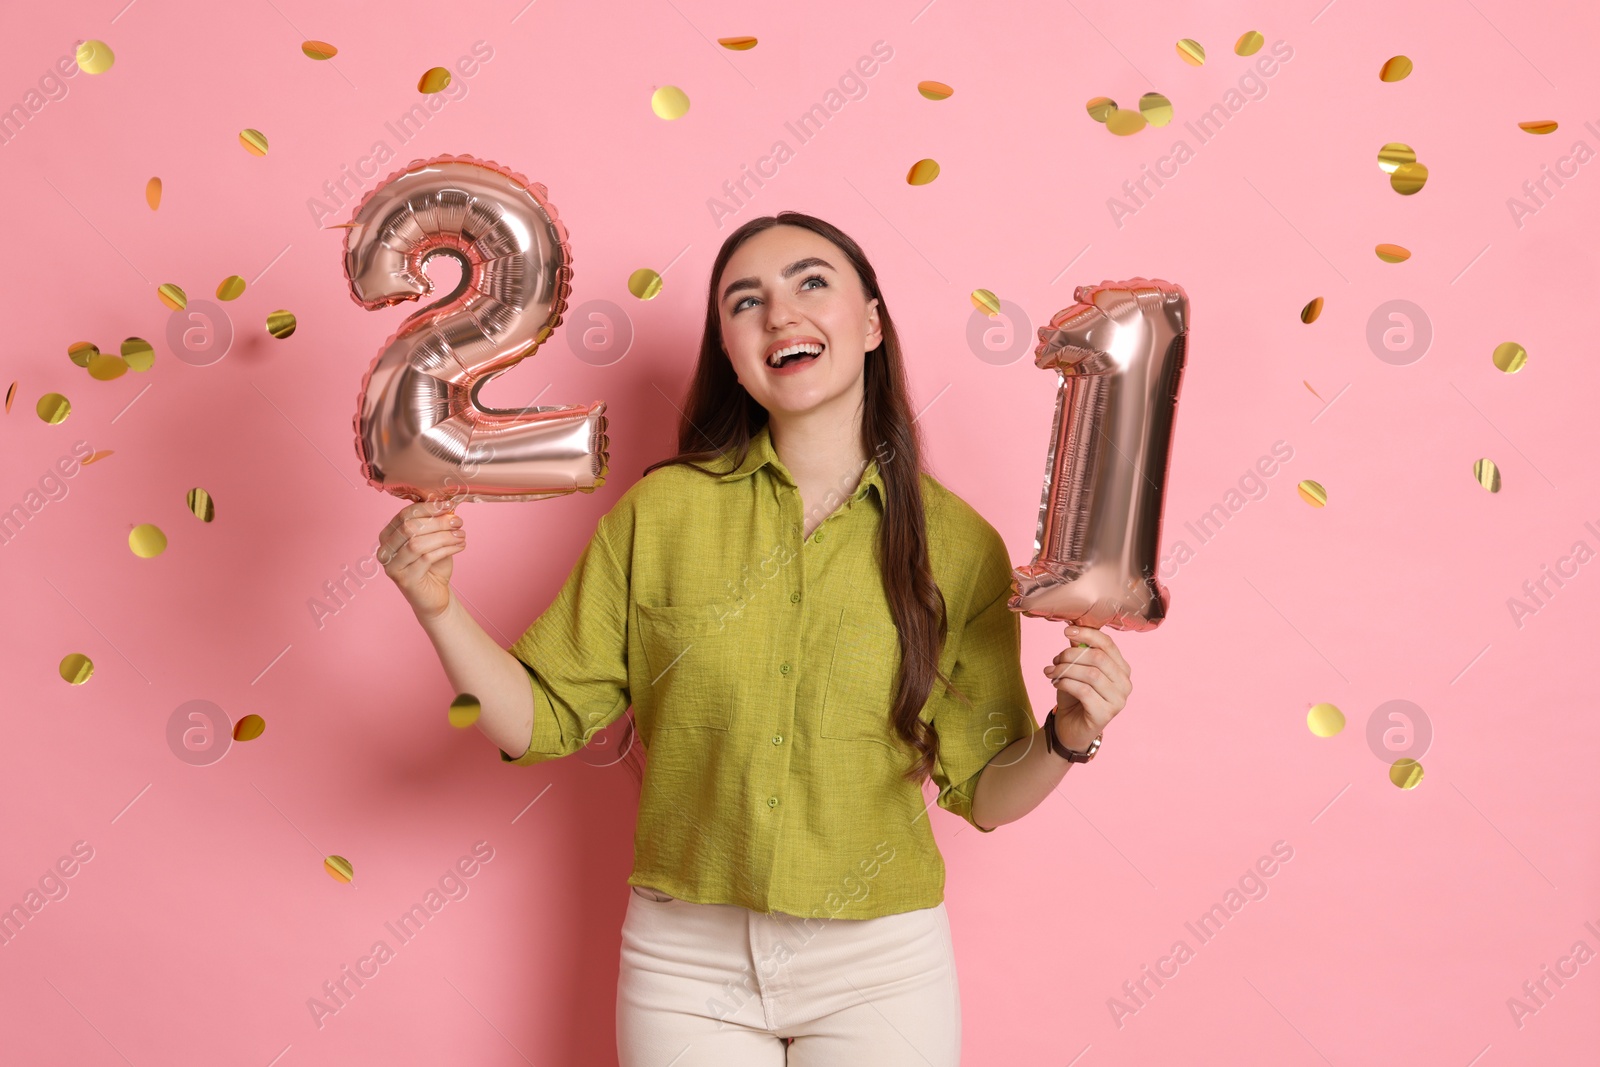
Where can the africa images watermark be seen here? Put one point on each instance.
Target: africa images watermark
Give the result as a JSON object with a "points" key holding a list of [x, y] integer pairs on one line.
{"points": [[1252, 486], [1538, 190], [1539, 592], [52, 87], [52, 488]]}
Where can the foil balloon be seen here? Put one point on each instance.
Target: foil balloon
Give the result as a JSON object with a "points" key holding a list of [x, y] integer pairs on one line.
{"points": [[421, 431], [1119, 354]]}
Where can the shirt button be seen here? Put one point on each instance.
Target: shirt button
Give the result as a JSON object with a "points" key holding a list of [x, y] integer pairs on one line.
{"points": [[777, 739], [772, 802], [784, 668], [794, 598], [817, 537]]}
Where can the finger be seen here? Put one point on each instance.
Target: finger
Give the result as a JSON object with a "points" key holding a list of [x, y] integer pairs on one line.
{"points": [[1108, 687], [1094, 705], [397, 557], [1098, 638], [439, 553]]}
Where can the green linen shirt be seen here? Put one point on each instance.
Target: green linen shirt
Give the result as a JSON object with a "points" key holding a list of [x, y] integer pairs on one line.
{"points": [[761, 668]]}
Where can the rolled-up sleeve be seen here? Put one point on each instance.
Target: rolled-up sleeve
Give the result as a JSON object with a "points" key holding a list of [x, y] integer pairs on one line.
{"points": [[576, 655], [988, 670]]}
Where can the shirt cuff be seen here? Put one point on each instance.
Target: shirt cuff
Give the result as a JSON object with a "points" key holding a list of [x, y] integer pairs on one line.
{"points": [[547, 742]]}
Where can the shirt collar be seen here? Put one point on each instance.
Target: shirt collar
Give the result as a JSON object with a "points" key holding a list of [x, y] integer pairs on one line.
{"points": [[762, 453]]}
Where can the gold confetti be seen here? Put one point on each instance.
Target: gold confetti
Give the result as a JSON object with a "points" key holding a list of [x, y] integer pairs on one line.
{"points": [[986, 302], [1101, 107], [1249, 44], [433, 80], [254, 141], [103, 366], [147, 541], [1392, 253], [1539, 126], [1510, 356], [318, 50], [1408, 178], [464, 710], [1325, 720], [53, 408], [230, 288], [96, 456], [201, 505], [644, 283], [138, 353], [280, 323], [80, 352], [1124, 122], [76, 668], [922, 172], [1394, 68], [935, 90], [737, 44], [1394, 155], [1309, 313], [94, 57], [669, 102], [339, 869], [1313, 493], [10, 395], [1487, 473], [1312, 391], [1406, 773], [249, 728], [172, 296], [152, 193], [1191, 52], [1156, 109]]}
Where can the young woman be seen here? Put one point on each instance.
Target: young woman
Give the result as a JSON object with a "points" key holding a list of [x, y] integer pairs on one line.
{"points": [[807, 626]]}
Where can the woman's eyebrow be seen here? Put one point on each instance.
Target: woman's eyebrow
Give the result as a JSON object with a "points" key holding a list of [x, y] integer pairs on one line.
{"points": [[788, 272]]}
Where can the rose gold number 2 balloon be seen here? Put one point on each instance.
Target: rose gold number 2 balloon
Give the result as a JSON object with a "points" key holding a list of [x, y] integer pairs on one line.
{"points": [[421, 432], [1119, 352]]}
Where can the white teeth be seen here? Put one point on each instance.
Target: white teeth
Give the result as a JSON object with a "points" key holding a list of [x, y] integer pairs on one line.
{"points": [[777, 357]]}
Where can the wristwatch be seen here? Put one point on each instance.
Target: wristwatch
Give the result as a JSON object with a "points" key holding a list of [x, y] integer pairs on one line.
{"points": [[1067, 754]]}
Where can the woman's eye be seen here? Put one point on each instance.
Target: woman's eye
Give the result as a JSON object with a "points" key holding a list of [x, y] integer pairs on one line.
{"points": [[738, 307]]}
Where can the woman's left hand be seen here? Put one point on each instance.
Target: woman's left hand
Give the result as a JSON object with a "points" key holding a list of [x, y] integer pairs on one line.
{"points": [[1092, 685]]}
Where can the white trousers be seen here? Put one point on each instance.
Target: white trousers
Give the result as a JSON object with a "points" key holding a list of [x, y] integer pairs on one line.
{"points": [[717, 985]]}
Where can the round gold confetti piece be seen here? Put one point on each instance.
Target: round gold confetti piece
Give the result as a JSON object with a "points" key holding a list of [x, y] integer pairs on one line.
{"points": [[230, 288], [986, 302], [464, 710], [280, 323], [1539, 126], [1156, 109], [254, 141], [1309, 313], [80, 352], [737, 44], [103, 366], [1124, 122], [1406, 773], [1313, 493], [1510, 356], [922, 172], [339, 869], [1101, 107], [318, 50], [1394, 68], [76, 668], [201, 505], [94, 57], [1191, 52], [152, 193], [669, 102], [1394, 155], [1487, 474], [249, 728], [1408, 178], [433, 80], [1249, 44], [138, 353], [53, 408], [1392, 253], [172, 296], [1324, 720], [935, 90], [147, 541], [644, 283]]}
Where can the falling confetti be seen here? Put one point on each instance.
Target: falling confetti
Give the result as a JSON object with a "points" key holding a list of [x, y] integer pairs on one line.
{"points": [[922, 172], [1191, 52], [1125, 122], [1539, 126], [669, 102], [280, 323], [339, 869], [1488, 474], [1392, 253], [1325, 720], [254, 141], [1101, 108], [1394, 68], [464, 711], [1249, 44], [986, 302], [152, 193], [1156, 109], [1406, 773], [11, 394], [318, 50], [644, 283], [1510, 356], [53, 408], [935, 90], [98, 455], [1309, 313], [433, 80], [1394, 155], [1408, 178], [138, 353], [230, 288], [249, 728], [172, 296], [737, 44], [201, 505], [147, 541], [76, 668], [1313, 493], [80, 352], [94, 57], [103, 366]]}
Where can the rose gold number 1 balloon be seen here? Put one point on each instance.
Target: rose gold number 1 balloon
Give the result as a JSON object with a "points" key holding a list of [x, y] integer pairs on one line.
{"points": [[1119, 352], [421, 432]]}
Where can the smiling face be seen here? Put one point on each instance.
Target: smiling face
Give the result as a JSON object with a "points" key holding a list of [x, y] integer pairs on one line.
{"points": [[789, 286]]}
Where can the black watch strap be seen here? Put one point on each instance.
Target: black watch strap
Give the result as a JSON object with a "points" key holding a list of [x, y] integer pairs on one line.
{"points": [[1070, 755]]}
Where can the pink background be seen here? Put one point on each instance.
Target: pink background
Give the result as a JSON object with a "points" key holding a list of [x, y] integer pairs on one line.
{"points": [[1405, 919]]}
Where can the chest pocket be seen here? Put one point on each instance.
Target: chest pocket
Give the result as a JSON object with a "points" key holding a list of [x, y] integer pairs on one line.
{"points": [[693, 668], [861, 679]]}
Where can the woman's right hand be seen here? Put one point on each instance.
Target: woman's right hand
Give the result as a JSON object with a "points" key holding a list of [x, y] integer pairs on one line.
{"points": [[415, 550]]}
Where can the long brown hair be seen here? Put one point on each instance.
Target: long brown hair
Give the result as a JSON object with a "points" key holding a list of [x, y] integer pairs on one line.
{"points": [[720, 418]]}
